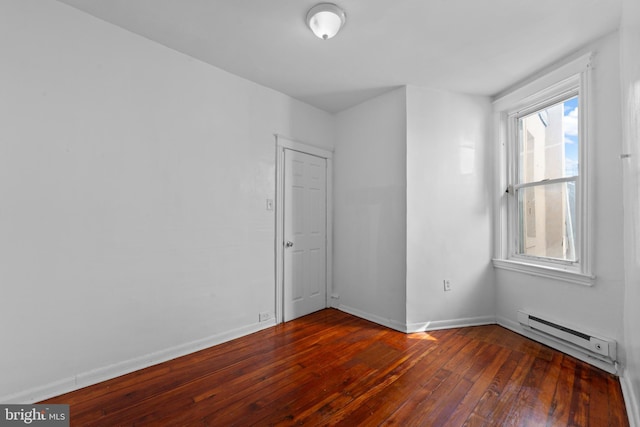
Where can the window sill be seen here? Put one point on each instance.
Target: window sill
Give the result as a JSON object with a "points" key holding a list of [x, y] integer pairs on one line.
{"points": [[543, 271]]}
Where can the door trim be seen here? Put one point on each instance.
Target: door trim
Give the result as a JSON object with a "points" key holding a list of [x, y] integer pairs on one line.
{"points": [[285, 143]]}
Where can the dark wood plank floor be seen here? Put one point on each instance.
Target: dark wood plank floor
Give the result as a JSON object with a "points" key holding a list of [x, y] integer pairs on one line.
{"points": [[330, 368]]}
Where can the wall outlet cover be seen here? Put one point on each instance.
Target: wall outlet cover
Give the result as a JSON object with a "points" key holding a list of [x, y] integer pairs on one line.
{"points": [[264, 316]]}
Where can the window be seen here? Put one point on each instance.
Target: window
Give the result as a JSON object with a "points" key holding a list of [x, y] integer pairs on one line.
{"points": [[544, 212], [546, 146]]}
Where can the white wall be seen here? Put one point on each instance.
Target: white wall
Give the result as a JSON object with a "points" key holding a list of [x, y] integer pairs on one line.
{"points": [[630, 72], [133, 182], [412, 178], [370, 209], [449, 224], [597, 308]]}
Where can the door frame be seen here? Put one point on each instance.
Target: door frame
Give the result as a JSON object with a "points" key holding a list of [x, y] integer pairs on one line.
{"points": [[285, 143]]}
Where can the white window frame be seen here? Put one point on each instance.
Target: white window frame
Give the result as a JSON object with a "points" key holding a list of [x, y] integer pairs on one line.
{"points": [[573, 78]]}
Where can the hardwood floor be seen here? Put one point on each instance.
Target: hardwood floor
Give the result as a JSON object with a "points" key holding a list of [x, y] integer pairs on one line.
{"points": [[330, 368]]}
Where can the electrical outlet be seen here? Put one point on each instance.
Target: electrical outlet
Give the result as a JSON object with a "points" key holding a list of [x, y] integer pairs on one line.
{"points": [[335, 301], [447, 285], [264, 316]]}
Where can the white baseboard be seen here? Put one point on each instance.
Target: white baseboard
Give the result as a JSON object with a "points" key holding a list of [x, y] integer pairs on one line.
{"points": [[558, 345], [389, 323], [84, 379], [631, 401], [419, 327], [452, 323]]}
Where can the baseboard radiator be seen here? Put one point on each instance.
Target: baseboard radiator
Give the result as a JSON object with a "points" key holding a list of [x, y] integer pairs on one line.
{"points": [[598, 347]]}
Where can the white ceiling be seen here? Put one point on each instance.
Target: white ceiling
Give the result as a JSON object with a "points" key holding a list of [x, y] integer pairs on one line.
{"points": [[472, 46]]}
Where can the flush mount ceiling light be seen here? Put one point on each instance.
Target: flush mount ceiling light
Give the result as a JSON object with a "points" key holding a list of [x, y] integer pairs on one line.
{"points": [[325, 20]]}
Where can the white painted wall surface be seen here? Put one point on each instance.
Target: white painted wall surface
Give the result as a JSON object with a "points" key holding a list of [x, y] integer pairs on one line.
{"points": [[449, 224], [370, 209], [133, 187], [630, 72], [598, 308]]}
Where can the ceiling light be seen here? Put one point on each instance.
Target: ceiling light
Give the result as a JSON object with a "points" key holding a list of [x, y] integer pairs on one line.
{"points": [[325, 20]]}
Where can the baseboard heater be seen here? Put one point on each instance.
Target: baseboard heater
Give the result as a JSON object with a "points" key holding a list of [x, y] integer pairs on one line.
{"points": [[602, 348]]}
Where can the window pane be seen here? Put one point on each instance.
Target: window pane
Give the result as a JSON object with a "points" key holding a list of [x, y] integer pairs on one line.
{"points": [[548, 143], [547, 219]]}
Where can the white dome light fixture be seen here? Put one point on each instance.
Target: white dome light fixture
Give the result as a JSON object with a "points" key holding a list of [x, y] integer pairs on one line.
{"points": [[325, 20]]}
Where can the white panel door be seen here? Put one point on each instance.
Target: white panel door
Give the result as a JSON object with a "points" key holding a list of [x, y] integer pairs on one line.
{"points": [[305, 234]]}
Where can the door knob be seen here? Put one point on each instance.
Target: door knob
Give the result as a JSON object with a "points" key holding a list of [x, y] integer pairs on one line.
{"points": [[288, 244]]}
